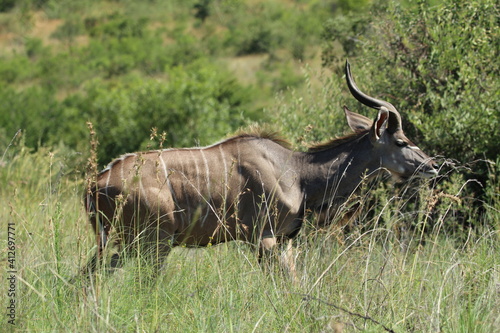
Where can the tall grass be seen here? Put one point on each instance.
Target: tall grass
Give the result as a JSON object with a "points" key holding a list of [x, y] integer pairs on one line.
{"points": [[367, 281]]}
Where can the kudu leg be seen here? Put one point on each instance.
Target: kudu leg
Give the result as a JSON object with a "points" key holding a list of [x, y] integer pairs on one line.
{"points": [[268, 253], [287, 260], [158, 257], [267, 249], [97, 260], [90, 267]]}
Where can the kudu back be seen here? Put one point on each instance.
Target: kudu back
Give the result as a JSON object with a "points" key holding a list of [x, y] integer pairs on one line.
{"points": [[249, 187]]}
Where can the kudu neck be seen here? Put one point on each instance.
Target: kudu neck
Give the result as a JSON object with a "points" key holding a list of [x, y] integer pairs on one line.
{"points": [[337, 171]]}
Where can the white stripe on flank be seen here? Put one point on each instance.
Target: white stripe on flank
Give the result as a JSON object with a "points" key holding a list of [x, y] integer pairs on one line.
{"points": [[169, 184], [225, 185], [225, 170], [197, 171], [207, 169], [238, 168], [107, 184], [184, 180], [121, 171], [143, 192], [164, 166]]}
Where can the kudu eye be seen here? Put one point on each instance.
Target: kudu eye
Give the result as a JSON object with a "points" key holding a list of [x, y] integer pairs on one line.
{"points": [[401, 143]]}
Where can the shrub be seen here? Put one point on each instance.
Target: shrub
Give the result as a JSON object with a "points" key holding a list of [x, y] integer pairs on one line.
{"points": [[6, 5], [116, 25], [15, 69], [69, 29], [34, 110]]}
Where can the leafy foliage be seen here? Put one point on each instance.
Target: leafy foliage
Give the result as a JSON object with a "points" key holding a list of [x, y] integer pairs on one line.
{"points": [[6, 5], [14, 112]]}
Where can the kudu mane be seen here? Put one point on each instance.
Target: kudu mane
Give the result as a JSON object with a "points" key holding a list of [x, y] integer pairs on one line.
{"points": [[264, 133], [336, 142]]}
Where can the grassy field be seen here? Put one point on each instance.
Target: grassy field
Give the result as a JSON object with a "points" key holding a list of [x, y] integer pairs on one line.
{"points": [[364, 280]]}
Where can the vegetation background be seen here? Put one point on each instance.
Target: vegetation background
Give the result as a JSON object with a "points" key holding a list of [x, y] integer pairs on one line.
{"points": [[422, 257]]}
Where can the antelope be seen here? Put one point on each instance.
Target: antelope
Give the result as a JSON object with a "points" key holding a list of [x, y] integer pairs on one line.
{"points": [[250, 187]]}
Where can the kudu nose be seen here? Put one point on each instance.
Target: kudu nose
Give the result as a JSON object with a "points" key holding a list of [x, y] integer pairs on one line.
{"points": [[433, 171], [429, 169]]}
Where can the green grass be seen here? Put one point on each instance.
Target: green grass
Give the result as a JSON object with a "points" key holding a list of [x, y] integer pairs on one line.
{"points": [[362, 283]]}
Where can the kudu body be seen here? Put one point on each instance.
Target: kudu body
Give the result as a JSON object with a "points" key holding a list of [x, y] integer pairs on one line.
{"points": [[249, 187]]}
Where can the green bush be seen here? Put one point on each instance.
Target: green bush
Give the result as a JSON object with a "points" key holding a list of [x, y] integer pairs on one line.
{"points": [[354, 5], [116, 25], [270, 26], [6, 5], [71, 28], [198, 104], [314, 115], [33, 110], [16, 69]]}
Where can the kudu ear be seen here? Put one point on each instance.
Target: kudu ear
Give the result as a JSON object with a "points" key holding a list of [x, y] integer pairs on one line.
{"points": [[357, 122], [380, 124]]}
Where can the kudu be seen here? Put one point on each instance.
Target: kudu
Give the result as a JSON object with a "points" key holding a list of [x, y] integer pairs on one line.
{"points": [[249, 187]]}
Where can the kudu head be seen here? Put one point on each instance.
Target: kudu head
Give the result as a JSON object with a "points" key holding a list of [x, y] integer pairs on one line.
{"points": [[402, 158]]}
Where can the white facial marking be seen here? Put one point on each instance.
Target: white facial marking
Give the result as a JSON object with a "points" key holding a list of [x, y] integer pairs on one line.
{"points": [[413, 147], [393, 158]]}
